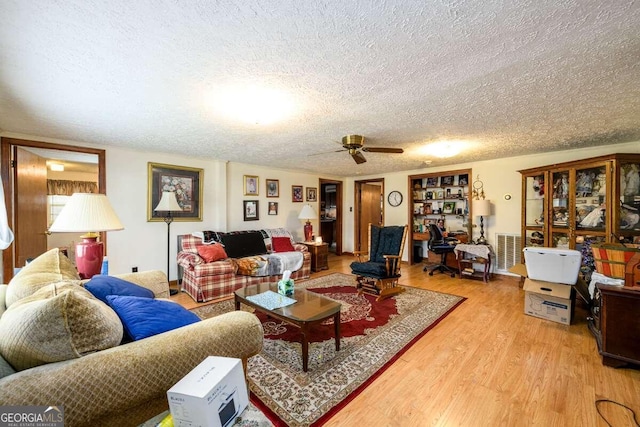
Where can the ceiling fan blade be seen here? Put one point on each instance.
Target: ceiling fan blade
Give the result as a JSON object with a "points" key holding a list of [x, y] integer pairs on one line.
{"points": [[383, 150], [358, 157], [326, 152]]}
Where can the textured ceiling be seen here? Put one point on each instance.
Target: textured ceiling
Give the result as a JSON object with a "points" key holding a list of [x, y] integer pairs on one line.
{"points": [[508, 77]]}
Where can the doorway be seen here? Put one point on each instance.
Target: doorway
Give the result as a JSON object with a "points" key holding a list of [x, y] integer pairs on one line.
{"points": [[369, 205], [331, 214], [28, 216]]}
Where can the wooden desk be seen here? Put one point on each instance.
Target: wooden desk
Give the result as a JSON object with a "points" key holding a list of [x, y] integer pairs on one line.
{"points": [[451, 260]]}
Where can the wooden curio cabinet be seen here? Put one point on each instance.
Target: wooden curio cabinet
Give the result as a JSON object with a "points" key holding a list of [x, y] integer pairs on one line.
{"points": [[571, 204]]}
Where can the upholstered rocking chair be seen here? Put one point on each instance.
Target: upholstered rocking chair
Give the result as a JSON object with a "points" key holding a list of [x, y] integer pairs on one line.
{"points": [[379, 274]]}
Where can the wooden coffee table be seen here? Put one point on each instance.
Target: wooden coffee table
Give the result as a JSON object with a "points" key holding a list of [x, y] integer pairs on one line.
{"points": [[310, 308]]}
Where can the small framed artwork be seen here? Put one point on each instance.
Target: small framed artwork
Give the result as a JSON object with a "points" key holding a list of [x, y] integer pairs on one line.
{"points": [[185, 182], [273, 188], [296, 193], [446, 180], [250, 185], [432, 182], [251, 211], [449, 207], [312, 194], [463, 180], [273, 208]]}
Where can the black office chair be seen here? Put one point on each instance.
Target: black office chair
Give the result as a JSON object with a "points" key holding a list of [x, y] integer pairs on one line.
{"points": [[438, 244]]}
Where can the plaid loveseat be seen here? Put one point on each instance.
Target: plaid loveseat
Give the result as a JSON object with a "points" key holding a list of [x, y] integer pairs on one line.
{"points": [[207, 281]]}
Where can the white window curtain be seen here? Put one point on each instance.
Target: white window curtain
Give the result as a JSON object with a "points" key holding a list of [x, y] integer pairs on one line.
{"points": [[6, 235]]}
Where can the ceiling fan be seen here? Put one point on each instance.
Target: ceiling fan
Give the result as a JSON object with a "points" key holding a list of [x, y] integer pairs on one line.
{"points": [[354, 144]]}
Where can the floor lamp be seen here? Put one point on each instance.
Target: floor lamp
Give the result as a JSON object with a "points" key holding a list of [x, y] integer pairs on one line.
{"points": [[168, 204]]}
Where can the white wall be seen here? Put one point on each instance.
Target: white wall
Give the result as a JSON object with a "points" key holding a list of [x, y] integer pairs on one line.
{"points": [[287, 210], [499, 177], [143, 244]]}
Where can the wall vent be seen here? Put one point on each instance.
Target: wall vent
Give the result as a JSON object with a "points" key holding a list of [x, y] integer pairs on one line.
{"points": [[508, 252]]}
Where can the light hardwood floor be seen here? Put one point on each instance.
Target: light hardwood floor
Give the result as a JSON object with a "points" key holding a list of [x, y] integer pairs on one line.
{"points": [[489, 364]]}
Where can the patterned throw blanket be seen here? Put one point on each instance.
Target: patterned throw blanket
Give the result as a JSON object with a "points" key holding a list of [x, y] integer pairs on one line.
{"points": [[269, 264]]}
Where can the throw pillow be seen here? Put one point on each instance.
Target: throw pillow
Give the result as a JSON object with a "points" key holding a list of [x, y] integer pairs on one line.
{"points": [[211, 253], [61, 321], [282, 244], [50, 267], [144, 317], [101, 286]]}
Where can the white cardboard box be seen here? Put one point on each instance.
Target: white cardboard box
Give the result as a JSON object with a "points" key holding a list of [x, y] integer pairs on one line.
{"points": [[551, 301], [553, 264], [213, 394]]}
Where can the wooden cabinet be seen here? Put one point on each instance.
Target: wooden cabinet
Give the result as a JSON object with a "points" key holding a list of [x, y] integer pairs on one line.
{"points": [[615, 323], [319, 255], [593, 200], [438, 197]]}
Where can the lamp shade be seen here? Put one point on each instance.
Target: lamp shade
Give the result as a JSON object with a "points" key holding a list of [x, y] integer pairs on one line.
{"points": [[481, 207], [168, 202], [86, 212], [308, 212]]}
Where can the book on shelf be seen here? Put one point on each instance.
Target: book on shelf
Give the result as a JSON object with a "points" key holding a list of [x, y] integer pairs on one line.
{"points": [[468, 271]]}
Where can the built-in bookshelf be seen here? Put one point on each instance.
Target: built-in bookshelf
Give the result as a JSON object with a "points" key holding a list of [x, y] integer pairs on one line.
{"points": [[439, 198]]}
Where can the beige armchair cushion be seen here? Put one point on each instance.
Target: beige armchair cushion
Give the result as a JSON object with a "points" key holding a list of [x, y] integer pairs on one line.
{"points": [[60, 321], [51, 267]]}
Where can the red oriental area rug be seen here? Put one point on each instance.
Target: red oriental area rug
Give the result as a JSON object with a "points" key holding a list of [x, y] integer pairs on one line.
{"points": [[374, 335]]}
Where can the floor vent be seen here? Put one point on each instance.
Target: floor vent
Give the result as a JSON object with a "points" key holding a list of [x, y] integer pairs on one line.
{"points": [[508, 251]]}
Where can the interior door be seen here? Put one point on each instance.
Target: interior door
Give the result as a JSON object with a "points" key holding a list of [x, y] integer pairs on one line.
{"points": [[370, 211], [30, 205]]}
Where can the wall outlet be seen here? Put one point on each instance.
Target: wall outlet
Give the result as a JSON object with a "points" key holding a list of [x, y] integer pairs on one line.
{"points": [[134, 269]]}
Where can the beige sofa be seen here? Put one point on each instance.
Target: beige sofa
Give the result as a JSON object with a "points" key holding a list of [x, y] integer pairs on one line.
{"points": [[127, 384]]}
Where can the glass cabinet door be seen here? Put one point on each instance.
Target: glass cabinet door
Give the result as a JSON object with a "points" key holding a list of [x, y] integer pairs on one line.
{"points": [[627, 226], [560, 199], [535, 213], [590, 204]]}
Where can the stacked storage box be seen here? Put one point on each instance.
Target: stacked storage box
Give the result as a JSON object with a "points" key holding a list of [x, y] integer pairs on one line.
{"points": [[551, 274]]}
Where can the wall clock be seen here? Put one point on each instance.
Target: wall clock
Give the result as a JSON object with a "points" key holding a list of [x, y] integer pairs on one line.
{"points": [[394, 198]]}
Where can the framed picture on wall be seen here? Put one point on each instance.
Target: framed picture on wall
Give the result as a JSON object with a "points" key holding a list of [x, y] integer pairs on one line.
{"points": [[273, 187], [185, 182], [251, 211], [273, 208], [250, 185], [296, 193], [312, 194]]}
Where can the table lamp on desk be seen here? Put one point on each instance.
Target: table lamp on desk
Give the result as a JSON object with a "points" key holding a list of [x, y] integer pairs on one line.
{"points": [[481, 208]]}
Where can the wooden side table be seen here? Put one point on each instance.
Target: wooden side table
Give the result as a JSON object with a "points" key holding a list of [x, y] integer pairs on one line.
{"points": [[319, 255], [474, 254]]}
